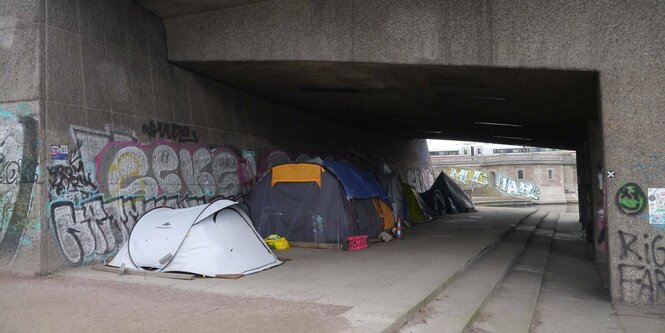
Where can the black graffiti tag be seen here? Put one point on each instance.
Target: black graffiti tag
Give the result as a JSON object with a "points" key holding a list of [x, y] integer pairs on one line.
{"points": [[643, 278], [9, 171], [71, 177], [173, 132]]}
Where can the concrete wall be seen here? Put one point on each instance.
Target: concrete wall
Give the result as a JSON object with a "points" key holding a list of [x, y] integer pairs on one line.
{"points": [[621, 39], [92, 77], [21, 172], [570, 187]]}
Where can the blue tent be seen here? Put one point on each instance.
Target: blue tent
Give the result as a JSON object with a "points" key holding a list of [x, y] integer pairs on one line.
{"points": [[358, 184]]}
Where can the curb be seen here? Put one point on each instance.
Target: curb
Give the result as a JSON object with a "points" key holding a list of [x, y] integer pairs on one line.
{"points": [[475, 315], [404, 318], [542, 277]]}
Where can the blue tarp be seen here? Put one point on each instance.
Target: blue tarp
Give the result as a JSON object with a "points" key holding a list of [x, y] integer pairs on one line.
{"points": [[358, 184]]}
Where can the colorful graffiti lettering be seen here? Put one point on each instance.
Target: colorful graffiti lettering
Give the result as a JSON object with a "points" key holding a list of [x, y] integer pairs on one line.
{"points": [[18, 164], [166, 168], [631, 199], [463, 176], [110, 180], [513, 187], [507, 185]]}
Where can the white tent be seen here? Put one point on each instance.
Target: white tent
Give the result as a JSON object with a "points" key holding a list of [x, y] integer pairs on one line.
{"points": [[213, 239]]}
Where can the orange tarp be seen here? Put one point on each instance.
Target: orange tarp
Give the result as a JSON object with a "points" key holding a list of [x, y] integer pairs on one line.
{"points": [[297, 173], [385, 213]]}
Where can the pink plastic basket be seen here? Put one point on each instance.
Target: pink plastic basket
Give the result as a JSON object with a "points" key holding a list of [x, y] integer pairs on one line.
{"points": [[354, 243]]}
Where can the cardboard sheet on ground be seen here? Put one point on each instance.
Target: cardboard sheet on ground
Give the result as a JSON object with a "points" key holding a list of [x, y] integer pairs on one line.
{"points": [[214, 239]]}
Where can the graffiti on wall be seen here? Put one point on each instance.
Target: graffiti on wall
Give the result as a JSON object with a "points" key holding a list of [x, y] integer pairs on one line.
{"points": [[163, 167], [95, 227], [641, 268], [520, 188], [10, 169], [420, 179], [169, 131], [71, 177], [110, 179], [505, 184], [18, 165], [465, 176]]}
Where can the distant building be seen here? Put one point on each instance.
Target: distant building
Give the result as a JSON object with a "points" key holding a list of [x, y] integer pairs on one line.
{"points": [[488, 170]]}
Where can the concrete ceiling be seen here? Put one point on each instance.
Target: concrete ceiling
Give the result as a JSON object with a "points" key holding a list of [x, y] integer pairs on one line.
{"points": [[166, 9], [550, 108]]}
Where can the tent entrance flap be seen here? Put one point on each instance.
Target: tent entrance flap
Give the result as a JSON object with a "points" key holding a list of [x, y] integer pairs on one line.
{"points": [[385, 213]]}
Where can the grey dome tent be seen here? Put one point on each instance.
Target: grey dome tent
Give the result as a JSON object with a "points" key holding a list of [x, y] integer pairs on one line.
{"points": [[319, 203], [210, 240]]}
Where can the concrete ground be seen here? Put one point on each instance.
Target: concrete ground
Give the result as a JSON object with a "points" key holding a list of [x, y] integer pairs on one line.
{"points": [[456, 306], [553, 286], [61, 303], [372, 290], [573, 297]]}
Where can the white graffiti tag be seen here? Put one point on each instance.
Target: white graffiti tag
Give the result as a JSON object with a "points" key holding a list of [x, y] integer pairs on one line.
{"points": [[516, 187], [151, 170]]}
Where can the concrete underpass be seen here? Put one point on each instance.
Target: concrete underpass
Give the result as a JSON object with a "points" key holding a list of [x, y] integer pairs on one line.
{"points": [[109, 108]]}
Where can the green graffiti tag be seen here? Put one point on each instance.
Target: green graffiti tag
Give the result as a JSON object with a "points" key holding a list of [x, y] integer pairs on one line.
{"points": [[631, 199]]}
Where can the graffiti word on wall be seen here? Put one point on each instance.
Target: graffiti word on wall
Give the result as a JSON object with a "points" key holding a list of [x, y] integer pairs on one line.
{"points": [[166, 168], [173, 132], [641, 268], [109, 180], [96, 227], [463, 176], [18, 164], [513, 187]]}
